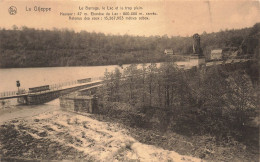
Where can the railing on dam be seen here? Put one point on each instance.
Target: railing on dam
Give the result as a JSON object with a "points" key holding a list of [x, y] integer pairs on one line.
{"points": [[71, 83], [52, 87], [61, 85], [8, 93]]}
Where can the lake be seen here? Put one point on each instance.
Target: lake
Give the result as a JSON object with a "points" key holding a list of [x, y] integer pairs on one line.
{"points": [[32, 77]]}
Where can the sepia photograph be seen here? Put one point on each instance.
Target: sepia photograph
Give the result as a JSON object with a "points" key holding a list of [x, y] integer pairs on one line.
{"points": [[129, 81]]}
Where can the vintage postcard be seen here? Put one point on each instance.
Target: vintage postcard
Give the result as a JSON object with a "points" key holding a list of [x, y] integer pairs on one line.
{"points": [[137, 80]]}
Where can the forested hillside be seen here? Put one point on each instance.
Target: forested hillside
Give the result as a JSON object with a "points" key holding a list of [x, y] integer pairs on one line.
{"points": [[214, 108], [28, 47]]}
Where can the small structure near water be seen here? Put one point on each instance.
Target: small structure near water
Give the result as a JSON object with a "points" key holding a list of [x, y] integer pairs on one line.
{"points": [[216, 54], [84, 100], [86, 104], [197, 59], [168, 52]]}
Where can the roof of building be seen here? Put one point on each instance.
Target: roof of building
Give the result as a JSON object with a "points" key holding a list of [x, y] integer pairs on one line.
{"points": [[168, 50], [216, 51]]}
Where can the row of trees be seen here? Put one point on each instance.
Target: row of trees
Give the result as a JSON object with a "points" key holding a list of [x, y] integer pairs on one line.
{"points": [[28, 47], [210, 101]]}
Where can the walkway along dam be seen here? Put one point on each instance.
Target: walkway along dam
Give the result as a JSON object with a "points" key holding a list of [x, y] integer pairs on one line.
{"points": [[43, 94]]}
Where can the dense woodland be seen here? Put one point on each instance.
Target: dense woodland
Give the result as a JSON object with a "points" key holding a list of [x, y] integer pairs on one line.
{"points": [[28, 47]]}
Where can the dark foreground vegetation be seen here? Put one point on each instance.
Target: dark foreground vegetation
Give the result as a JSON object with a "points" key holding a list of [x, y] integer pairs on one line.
{"points": [[210, 113], [28, 47]]}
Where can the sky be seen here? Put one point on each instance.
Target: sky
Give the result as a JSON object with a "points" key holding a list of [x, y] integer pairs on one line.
{"points": [[174, 17]]}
